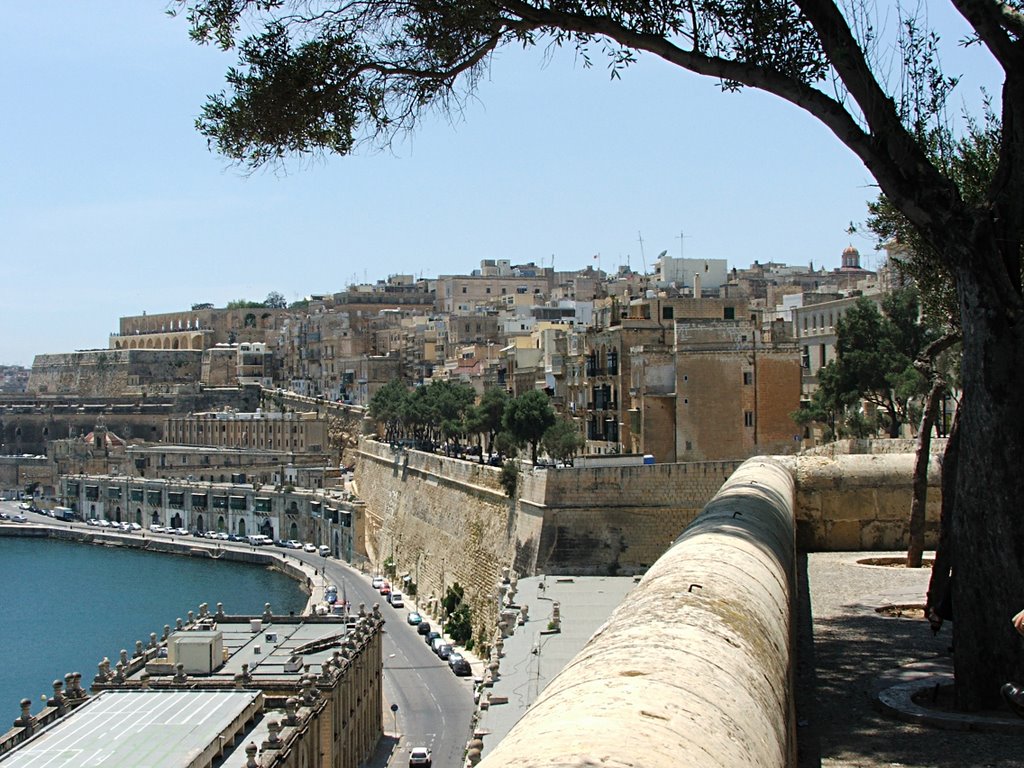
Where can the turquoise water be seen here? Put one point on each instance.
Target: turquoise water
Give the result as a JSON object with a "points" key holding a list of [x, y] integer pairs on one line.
{"points": [[64, 606]]}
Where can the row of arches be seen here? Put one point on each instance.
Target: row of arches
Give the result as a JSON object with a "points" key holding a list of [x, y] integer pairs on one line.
{"points": [[221, 524], [157, 341]]}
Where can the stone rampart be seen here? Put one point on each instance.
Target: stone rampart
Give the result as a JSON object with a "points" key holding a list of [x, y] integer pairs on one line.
{"points": [[443, 520], [110, 372], [696, 667]]}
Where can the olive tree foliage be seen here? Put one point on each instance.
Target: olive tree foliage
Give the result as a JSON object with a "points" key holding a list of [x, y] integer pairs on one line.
{"points": [[325, 76]]}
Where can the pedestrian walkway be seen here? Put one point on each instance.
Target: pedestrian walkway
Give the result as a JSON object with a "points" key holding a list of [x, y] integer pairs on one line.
{"points": [[853, 699]]}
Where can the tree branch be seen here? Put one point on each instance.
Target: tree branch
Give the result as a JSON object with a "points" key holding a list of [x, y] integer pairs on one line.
{"points": [[990, 20]]}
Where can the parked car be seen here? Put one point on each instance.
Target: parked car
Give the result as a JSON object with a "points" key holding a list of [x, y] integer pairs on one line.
{"points": [[25, 506], [324, 550], [17, 517], [385, 589], [293, 544], [377, 582], [135, 526], [4, 516], [396, 599], [419, 756], [436, 643], [155, 528], [414, 618], [308, 547], [430, 637], [424, 628], [453, 657], [460, 666], [443, 651]]}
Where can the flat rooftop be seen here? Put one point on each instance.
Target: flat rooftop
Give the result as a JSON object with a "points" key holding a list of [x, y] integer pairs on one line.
{"points": [[128, 729]]}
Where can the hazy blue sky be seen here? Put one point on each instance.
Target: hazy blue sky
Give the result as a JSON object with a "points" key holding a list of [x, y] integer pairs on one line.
{"points": [[111, 204]]}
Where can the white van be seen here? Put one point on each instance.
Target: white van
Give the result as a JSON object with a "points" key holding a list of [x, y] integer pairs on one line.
{"points": [[324, 550], [395, 598]]}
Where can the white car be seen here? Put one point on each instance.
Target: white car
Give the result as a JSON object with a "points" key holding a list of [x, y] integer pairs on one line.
{"points": [[156, 528], [377, 582], [293, 544], [419, 756], [309, 547]]}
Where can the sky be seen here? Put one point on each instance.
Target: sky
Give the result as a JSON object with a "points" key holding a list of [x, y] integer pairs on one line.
{"points": [[112, 205]]}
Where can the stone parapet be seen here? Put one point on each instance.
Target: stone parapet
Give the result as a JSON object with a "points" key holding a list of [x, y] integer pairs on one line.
{"points": [[695, 668]]}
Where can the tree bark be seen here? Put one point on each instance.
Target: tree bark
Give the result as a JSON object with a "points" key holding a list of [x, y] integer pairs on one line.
{"points": [[987, 526], [915, 545]]}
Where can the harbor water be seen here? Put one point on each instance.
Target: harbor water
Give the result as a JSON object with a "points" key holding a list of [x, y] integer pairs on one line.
{"points": [[64, 606]]}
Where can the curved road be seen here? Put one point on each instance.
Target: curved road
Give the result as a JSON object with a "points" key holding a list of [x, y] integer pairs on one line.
{"points": [[434, 706]]}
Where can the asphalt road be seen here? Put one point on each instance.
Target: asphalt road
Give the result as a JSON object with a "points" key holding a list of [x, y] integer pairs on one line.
{"points": [[434, 706]]}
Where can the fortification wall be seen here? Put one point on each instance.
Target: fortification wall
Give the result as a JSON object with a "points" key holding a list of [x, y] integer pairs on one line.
{"points": [[440, 521], [696, 667], [443, 520], [110, 373]]}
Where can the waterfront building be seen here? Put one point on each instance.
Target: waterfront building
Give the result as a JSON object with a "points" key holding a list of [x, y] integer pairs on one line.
{"points": [[332, 518], [268, 691]]}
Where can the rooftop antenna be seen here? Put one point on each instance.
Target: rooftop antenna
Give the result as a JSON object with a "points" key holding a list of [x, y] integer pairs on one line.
{"points": [[643, 258], [682, 236]]}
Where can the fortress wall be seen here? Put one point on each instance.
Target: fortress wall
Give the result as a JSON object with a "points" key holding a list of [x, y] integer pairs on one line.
{"points": [[440, 520], [696, 667], [444, 520], [619, 520], [110, 372]]}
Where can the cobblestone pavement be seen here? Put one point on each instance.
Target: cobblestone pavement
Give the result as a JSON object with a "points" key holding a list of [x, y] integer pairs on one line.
{"points": [[853, 646]]}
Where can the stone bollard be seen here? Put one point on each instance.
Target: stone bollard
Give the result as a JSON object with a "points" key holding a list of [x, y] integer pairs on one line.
{"points": [[69, 685], [152, 640], [191, 618], [138, 648], [474, 750], [119, 673], [26, 720], [179, 675], [524, 611], [220, 610], [80, 692], [291, 707], [267, 613], [250, 755], [124, 657], [273, 735], [204, 609], [178, 625], [167, 632], [58, 699]]}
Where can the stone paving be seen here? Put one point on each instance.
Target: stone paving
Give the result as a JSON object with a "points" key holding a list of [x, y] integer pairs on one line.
{"points": [[858, 653]]}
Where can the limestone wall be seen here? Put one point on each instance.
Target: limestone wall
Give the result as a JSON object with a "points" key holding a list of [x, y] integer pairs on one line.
{"points": [[109, 372], [444, 520], [862, 501], [695, 668]]}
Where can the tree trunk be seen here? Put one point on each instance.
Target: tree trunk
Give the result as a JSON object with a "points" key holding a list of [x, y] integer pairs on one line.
{"points": [[987, 528], [915, 545], [938, 585]]}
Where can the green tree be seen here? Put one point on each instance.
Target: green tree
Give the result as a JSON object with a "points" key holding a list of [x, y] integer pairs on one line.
{"points": [[275, 300], [875, 355], [528, 417], [387, 406], [323, 81], [562, 440], [489, 415]]}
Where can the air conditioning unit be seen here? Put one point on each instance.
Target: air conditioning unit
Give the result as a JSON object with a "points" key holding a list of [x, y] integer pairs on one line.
{"points": [[200, 652]]}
